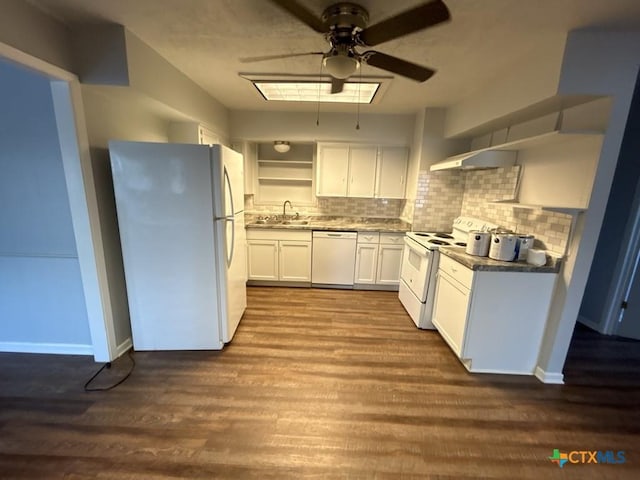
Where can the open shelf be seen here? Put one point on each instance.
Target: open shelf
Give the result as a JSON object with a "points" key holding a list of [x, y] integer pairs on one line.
{"points": [[284, 179], [529, 206], [287, 162]]}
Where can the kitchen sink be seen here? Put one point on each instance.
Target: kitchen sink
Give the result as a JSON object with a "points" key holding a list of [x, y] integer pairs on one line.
{"points": [[295, 222], [278, 221], [268, 221]]}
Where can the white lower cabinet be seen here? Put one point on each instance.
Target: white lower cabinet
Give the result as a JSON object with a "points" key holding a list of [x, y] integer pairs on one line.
{"points": [[378, 260], [295, 261], [366, 263], [389, 264], [262, 260], [279, 255], [492, 320]]}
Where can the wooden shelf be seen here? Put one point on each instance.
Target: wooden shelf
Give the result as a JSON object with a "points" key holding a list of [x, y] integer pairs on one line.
{"points": [[284, 179], [554, 137], [529, 206], [549, 138], [287, 162]]}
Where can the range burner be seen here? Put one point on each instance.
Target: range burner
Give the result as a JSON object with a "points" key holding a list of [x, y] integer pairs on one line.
{"points": [[461, 244], [422, 234], [435, 241], [443, 235]]}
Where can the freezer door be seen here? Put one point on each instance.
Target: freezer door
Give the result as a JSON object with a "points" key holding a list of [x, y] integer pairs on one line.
{"points": [[228, 169]]}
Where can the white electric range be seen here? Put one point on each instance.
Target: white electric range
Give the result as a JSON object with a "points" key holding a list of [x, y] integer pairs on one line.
{"points": [[420, 266]]}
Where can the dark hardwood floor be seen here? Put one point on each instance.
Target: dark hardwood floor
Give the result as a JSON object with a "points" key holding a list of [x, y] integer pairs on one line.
{"points": [[320, 384]]}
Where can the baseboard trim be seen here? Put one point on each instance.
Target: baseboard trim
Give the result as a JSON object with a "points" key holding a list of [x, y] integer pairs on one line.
{"points": [[124, 347], [270, 283], [51, 348], [553, 378], [589, 323], [367, 286]]}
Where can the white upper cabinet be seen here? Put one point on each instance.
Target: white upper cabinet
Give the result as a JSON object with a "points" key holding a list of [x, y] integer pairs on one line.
{"points": [[361, 171], [391, 178], [332, 170]]}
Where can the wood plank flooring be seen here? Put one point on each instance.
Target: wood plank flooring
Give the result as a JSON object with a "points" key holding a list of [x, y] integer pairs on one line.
{"points": [[318, 384]]}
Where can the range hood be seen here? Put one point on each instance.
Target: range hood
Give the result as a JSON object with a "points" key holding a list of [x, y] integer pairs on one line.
{"points": [[478, 159]]}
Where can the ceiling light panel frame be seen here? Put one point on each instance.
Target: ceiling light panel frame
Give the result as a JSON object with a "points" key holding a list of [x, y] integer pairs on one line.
{"points": [[309, 85]]}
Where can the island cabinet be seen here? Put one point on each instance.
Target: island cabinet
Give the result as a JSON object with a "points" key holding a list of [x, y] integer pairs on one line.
{"points": [[378, 260], [492, 320], [361, 171], [278, 255]]}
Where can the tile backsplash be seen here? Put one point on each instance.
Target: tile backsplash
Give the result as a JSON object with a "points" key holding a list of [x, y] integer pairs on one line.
{"points": [[438, 200], [441, 196], [337, 206]]}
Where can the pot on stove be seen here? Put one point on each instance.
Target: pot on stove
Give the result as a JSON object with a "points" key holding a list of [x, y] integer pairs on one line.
{"points": [[478, 243], [503, 247], [525, 243]]}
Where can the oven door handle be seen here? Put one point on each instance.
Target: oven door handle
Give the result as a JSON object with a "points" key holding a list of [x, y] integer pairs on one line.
{"points": [[416, 247]]}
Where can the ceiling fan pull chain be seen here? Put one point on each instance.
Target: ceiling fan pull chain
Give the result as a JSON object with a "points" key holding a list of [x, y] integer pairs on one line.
{"points": [[319, 89], [358, 102]]}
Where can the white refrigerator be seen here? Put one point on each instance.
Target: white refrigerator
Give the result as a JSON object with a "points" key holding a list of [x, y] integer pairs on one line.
{"points": [[181, 217]]}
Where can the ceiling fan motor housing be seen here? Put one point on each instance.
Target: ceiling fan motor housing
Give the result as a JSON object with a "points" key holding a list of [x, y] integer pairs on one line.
{"points": [[343, 21]]}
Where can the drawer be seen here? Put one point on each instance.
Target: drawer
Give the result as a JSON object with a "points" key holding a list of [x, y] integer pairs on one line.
{"points": [[368, 237], [456, 270], [278, 234], [392, 238]]}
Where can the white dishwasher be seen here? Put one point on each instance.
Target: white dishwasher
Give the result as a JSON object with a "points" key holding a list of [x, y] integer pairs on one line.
{"points": [[333, 258]]}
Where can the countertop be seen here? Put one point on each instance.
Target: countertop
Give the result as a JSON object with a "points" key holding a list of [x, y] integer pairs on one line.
{"points": [[487, 264], [334, 223]]}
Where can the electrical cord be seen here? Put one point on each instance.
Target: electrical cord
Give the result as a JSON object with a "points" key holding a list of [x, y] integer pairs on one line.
{"points": [[108, 366]]}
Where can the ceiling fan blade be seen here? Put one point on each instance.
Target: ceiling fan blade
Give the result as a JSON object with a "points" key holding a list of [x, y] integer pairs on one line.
{"points": [[301, 13], [337, 84], [276, 57], [405, 23], [397, 65]]}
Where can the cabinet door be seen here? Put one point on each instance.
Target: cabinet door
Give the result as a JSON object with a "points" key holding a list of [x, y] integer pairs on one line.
{"points": [[389, 263], [332, 170], [295, 261], [392, 172], [262, 259], [362, 171], [366, 263], [450, 311]]}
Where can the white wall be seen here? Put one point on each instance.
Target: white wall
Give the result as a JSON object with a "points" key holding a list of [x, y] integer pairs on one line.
{"points": [[301, 127], [41, 298], [153, 76], [533, 80], [28, 29], [603, 63]]}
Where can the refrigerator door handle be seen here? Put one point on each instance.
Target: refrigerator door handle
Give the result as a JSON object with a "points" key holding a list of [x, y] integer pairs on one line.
{"points": [[233, 235], [230, 190], [233, 240]]}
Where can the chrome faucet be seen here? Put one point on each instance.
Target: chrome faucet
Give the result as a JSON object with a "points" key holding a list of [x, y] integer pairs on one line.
{"points": [[284, 209]]}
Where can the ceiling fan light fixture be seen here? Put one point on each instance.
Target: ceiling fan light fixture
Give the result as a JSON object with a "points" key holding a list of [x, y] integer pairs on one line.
{"points": [[341, 66], [281, 146]]}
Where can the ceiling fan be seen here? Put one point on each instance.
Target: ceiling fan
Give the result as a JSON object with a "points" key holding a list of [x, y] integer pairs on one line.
{"points": [[345, 26]]}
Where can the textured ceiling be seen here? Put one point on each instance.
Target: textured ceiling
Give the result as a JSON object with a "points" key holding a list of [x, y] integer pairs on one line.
{"points": [[206, 38]]}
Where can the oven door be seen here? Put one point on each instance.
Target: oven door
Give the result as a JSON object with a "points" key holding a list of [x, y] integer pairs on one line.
{"points": [[416, 268]]}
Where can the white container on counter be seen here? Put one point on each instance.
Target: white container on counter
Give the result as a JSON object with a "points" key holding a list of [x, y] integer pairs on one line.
{"points": [[478, 243], [503, 247], [536, 257]]}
